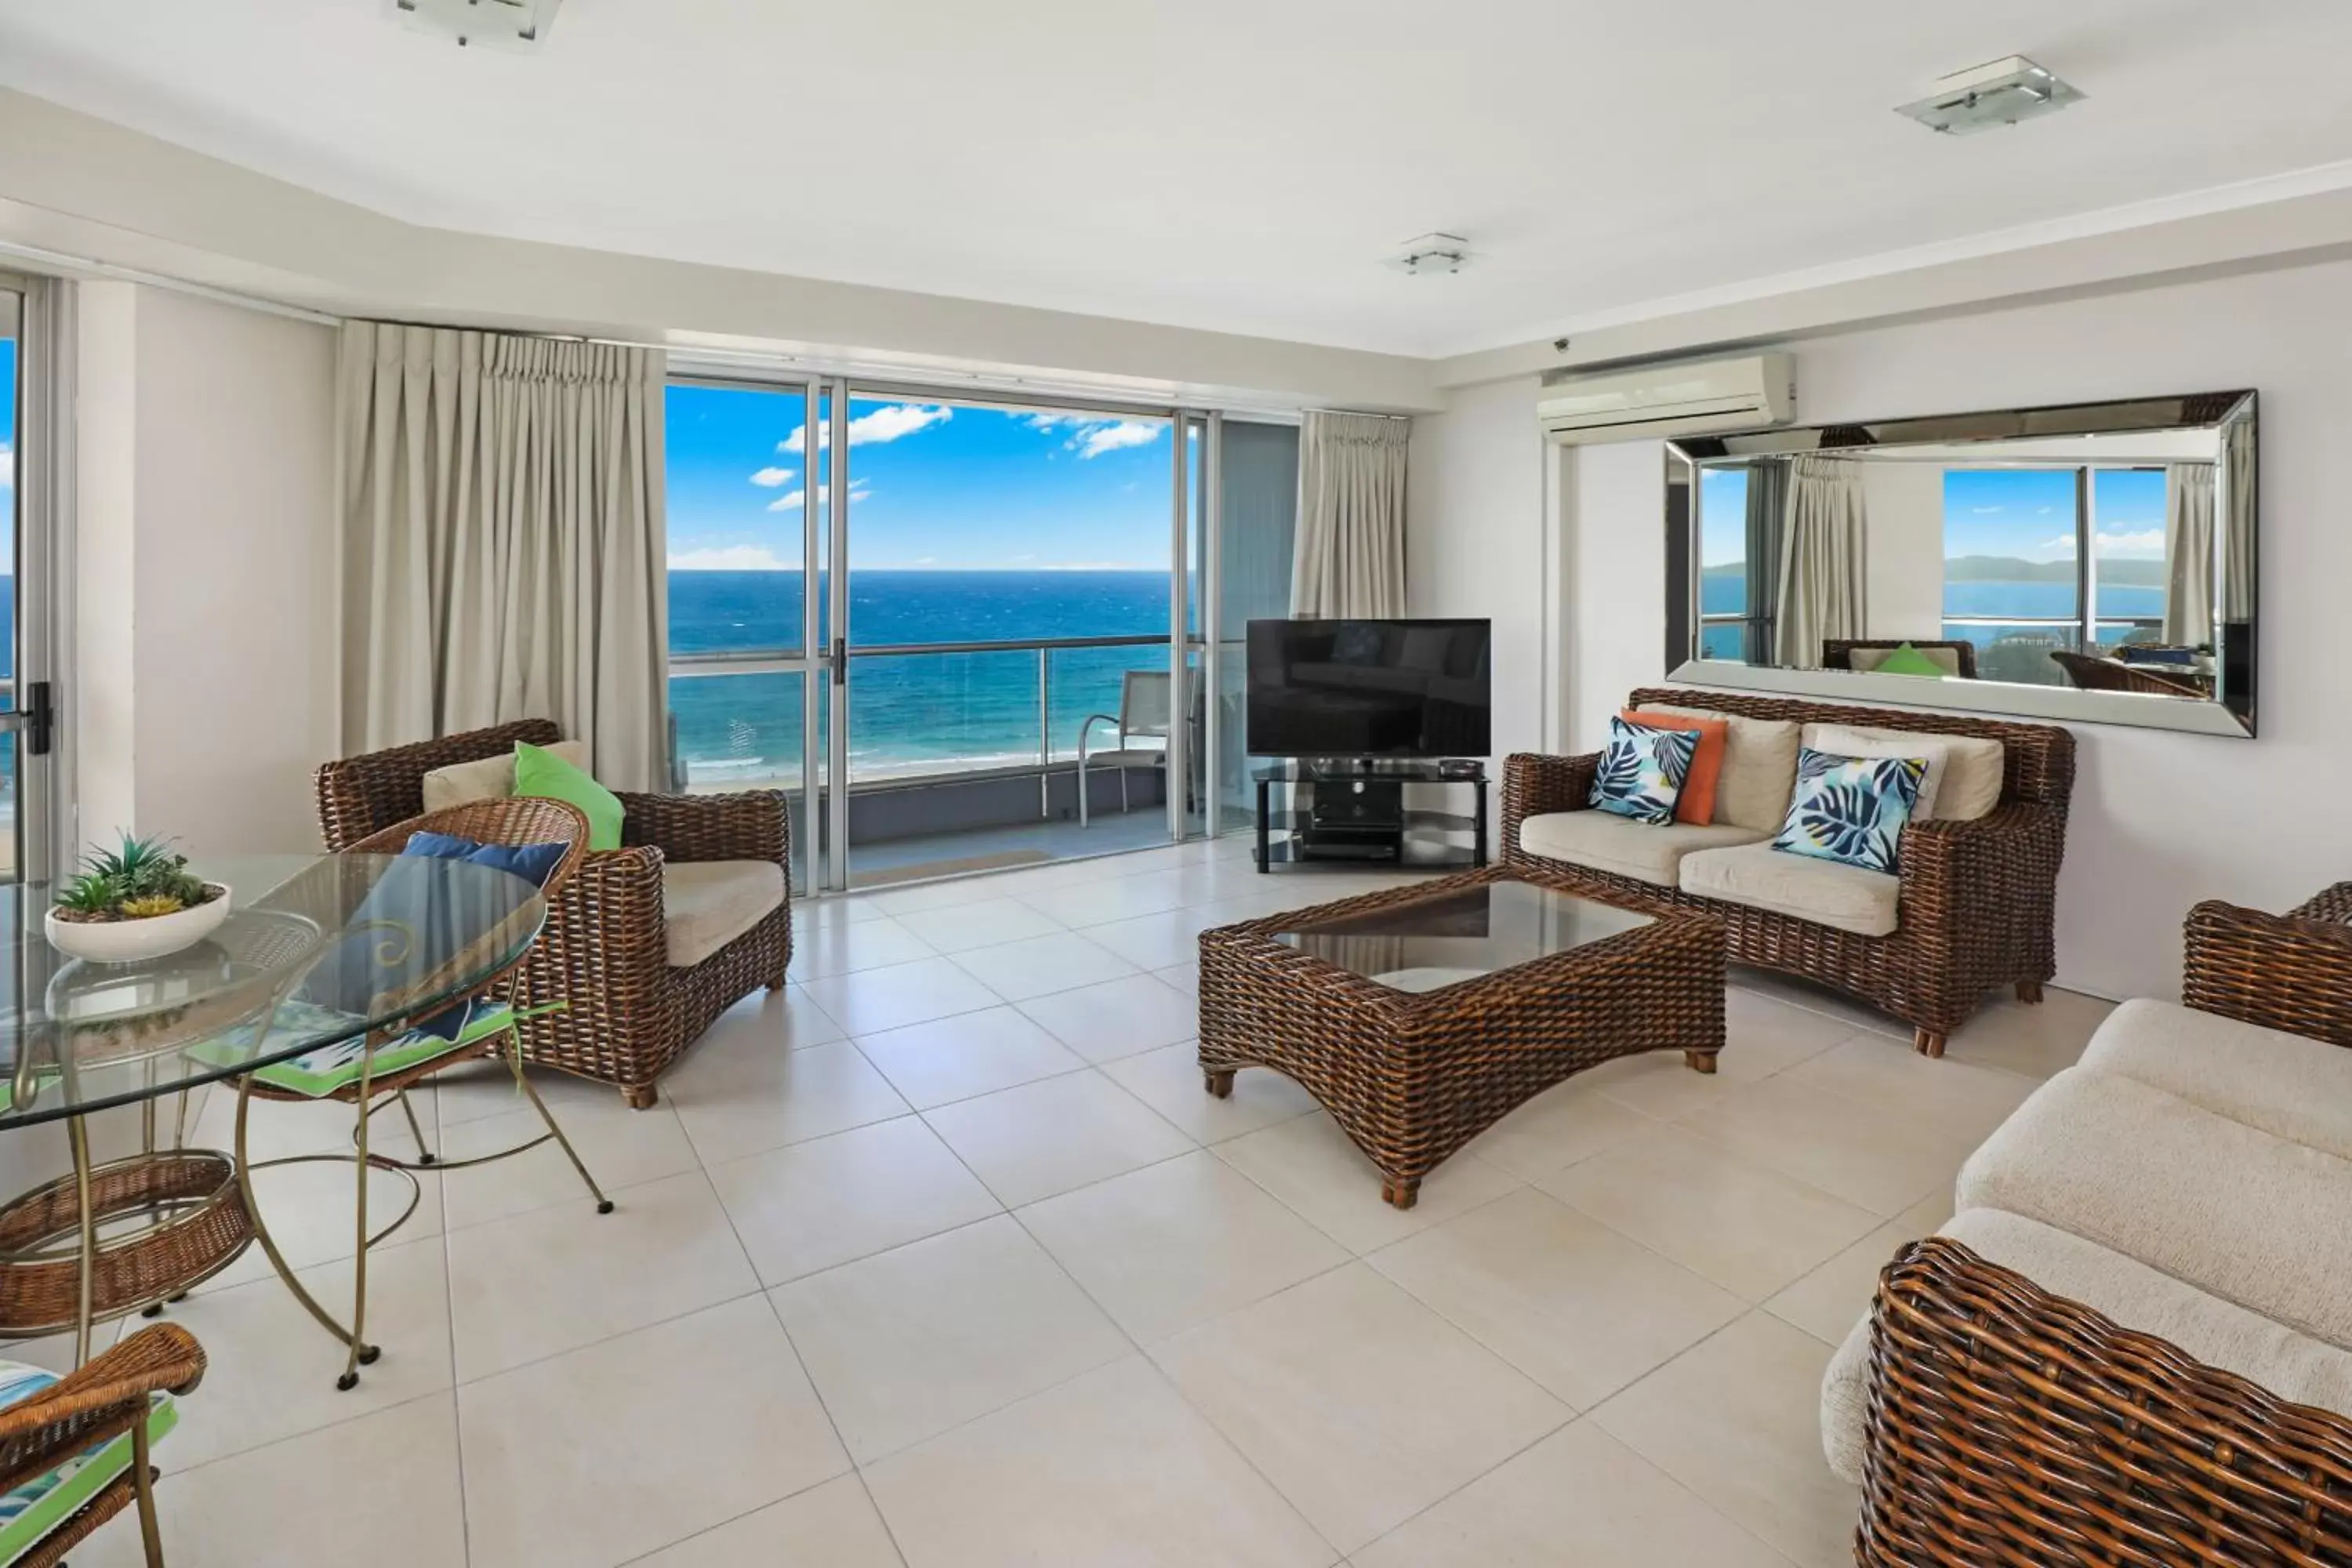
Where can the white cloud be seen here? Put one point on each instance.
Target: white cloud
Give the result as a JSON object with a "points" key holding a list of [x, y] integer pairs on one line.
{"points": [[887, 423], [2149, 542], [1096, 439], [7, 465], [1986, 510], [791, 499], [769, 479], [1091, 437], [731, 557], [2063, 544]]}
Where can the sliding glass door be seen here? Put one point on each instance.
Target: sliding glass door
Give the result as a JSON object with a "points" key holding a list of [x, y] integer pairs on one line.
{"points": [[997, 607], [27, 719]]}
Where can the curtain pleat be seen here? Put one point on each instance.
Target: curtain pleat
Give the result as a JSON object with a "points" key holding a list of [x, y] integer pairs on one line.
{"points": [[2190, 562], [503, 541], [1349, 553], [1824, 562], [1768, 507]]}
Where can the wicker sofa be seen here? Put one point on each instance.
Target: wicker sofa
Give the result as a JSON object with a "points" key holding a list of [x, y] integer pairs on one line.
{"points": [[2133, 1343], [1972, 910], [644, 944]]}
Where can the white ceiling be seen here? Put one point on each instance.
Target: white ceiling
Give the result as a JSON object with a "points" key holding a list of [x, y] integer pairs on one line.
{"points": [[1235, 164]]}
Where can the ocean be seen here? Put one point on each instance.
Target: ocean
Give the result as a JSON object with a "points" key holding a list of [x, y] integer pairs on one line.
{"points": [[911, 714]]}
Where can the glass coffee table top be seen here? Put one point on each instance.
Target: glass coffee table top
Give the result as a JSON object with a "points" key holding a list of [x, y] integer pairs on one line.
{"points": [[1421, 944]]}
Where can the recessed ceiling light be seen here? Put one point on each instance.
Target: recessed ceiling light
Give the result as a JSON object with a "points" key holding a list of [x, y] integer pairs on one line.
{"points": [[1431, 253], [497, 23], [1987, 97]]}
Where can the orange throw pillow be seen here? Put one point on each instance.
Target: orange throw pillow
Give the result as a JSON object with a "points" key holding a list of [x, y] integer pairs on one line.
{"points": [[1696, 804]]}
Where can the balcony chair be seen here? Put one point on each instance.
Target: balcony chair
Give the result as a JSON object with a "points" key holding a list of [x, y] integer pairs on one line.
{"points": [[106, 1400], [1144, 712], [647, 943]]}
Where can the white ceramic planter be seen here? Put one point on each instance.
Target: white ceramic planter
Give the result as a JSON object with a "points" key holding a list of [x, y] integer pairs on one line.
{"points": [[129, 941]]}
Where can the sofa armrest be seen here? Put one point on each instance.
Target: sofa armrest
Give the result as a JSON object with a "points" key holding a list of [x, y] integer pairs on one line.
{"points": [[1534, 784], [1996, 871], [2000, 1414], [751, 826], [2290, 972]]}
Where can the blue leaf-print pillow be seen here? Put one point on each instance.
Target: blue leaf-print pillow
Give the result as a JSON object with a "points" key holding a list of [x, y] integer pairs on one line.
{"points": [[1852, 809], [1642, 771]]}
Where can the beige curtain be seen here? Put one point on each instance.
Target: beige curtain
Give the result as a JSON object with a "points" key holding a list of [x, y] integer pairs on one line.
{"points": [[1824, 562], [1349, 559], [2188, 553], [503, 541], [2238, 548]]}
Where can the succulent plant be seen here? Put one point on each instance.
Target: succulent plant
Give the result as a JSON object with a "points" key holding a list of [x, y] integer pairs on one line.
{"points": [[142, 878]]}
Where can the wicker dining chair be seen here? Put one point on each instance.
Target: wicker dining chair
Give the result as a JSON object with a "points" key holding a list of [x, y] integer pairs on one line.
{"points": [[510, 820], [605, 951], [107, 1397]]}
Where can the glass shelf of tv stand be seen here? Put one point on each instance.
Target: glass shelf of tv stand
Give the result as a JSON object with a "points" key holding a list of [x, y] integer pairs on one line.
{"points": [[1412, 770]]}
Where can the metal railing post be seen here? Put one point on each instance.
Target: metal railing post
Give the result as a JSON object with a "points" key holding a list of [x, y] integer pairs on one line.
{"points": [[1044, 733]]}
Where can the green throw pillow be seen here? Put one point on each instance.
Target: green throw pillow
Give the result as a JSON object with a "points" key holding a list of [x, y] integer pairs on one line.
{"points": [[547, 776], [1904, 660]]}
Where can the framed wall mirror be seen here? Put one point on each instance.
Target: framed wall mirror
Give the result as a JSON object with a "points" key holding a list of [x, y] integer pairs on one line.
{"points": [[2089, 563]]}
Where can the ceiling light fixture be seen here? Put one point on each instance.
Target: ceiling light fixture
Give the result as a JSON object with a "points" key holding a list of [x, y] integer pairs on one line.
{"points": [[1990, 96], [498, 23], [1431, 253]]}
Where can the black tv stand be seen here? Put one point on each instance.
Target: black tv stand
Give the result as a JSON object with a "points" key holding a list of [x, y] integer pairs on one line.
{"points": [[1353, 808]]}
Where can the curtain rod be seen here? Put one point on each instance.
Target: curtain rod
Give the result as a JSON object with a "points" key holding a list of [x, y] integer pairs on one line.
{"points": [[71, 263]]}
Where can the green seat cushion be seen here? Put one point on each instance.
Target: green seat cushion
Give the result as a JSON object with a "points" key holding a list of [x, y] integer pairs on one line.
{"points": [[1908, 660], [540, 773], [34, 1509], [318, 1073]]}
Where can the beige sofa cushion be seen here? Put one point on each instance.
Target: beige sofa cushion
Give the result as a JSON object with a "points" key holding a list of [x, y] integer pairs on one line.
{"points": [[1826, 892], [1759, 769], [2288, 1085], [706, 904], [2228, 1208], [1966, 787], [1650, 852], [489, 778], [2291, 1365]]}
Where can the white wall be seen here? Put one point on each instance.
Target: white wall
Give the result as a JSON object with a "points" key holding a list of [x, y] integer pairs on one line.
{"points": [[2160, 820], [200, 688]]}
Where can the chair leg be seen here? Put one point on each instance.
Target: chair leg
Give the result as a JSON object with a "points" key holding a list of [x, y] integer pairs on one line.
{"points": [[142, 1486], [1082, 790], [640, 1096], [1125, 805], [604, 1204], [1926, 1042], [350, 1378], [2028, 991], [425, 1155]]}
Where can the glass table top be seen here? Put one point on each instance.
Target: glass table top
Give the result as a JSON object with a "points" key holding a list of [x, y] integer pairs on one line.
{"points": [[1424, 944], [315, 949]]}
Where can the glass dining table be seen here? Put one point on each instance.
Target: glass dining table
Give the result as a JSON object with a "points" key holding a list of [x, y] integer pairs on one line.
{"points": [[315, 950]]}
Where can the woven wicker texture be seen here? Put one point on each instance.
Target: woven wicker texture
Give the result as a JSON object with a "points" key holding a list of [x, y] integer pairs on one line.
{"points": [[2011, 1426], [2290, 972], [101, 1401], [2092, 673], [1410, 1078], [604, 951], [192, 1224], [1979, 899]]}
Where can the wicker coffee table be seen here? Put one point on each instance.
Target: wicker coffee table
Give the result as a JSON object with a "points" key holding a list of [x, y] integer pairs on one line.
{"points": [[1418, 1017]]}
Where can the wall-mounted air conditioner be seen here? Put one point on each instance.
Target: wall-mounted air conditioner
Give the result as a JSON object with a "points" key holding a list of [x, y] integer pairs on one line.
{"points": [[1691, 399]]}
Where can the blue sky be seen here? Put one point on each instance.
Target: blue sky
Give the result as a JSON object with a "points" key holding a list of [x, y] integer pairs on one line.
{"points": [[933, 487], [2030, 513], [7, 455]]}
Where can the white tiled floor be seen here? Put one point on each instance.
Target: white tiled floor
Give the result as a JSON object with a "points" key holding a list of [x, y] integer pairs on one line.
{"points": [[943, 1259]]}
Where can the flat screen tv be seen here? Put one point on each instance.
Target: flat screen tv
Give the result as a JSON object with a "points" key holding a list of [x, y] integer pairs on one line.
{"points": [[1367, 689]]}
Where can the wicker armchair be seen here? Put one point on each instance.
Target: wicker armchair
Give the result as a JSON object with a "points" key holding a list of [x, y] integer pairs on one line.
{"points": [[102, 1400], [605, 950], [2009, 1426], [1979, 899]]}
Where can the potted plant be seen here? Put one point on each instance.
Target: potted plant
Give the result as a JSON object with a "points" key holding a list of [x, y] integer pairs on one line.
{"points": [[136, 902]]}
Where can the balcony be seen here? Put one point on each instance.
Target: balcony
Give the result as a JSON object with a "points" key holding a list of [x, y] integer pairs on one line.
{"points": [[954, 757]]}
